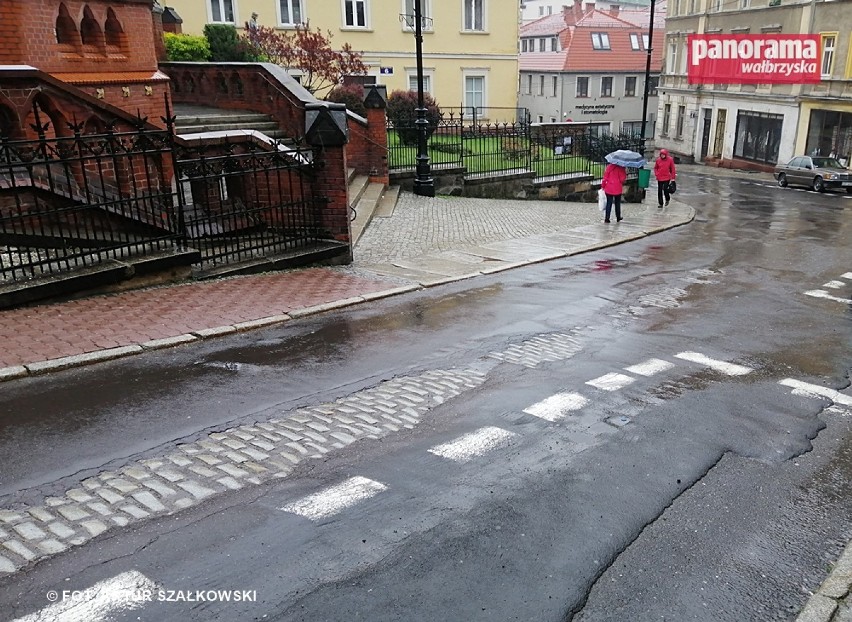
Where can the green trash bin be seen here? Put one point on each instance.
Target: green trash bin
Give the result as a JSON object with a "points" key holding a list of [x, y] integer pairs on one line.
{"points": [[644, 177]]}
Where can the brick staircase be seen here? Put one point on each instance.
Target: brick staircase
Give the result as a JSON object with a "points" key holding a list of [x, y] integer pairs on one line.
{"points": [[191, 119], [368, 199]]}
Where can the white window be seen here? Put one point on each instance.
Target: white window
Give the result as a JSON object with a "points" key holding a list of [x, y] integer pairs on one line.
{"points": [[683, 59], [634, 42], [222, 12], [717, 5], [474, 15], [474, 92], [827, 65], [671, 66], [427, 82], [290, 12], [744, 4], [645, 40], [542, 45], [355, 13], [524, 45], [606, 86], [600, 41], [582, 86], [425, 15], [554, 44]]}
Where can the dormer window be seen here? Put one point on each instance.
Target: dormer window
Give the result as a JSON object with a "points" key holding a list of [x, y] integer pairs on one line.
{"points": [[600, 41], [634, 42]]}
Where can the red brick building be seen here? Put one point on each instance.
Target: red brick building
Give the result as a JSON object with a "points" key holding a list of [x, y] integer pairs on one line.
{"points": [[107, 48]]}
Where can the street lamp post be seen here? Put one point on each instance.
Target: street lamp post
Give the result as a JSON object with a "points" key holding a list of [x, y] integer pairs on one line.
{"points": [[424, 185], [647, 76]]}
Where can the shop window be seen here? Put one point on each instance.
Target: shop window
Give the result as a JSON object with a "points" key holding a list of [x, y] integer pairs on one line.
{"points": [[830, 135], [758, 136]]}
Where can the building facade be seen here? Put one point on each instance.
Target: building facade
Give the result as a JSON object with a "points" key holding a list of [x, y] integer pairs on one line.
{"points": [[757, 125], [470, 55], [584, 64]]}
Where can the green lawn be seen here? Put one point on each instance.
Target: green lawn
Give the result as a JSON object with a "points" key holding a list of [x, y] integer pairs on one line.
{"points": [[489, 154]]}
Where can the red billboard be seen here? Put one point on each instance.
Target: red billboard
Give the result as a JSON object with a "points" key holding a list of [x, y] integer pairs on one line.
{"points": [[753, 59]]}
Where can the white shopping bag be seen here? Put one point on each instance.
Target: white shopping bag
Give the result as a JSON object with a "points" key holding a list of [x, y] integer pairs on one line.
{"points": [[602, 200]]}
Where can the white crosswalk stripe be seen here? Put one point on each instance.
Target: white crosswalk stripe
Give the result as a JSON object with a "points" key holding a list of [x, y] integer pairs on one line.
{"points": [[846, 275], [335, 499], [649, 367], [731, 369], [834, 284], [474, 444], [810, 390], [103, 601], [611, 382], [821, 293], [557, 406]]}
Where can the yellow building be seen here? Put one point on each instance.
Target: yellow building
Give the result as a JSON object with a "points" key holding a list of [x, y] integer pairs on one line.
{"points": [[470, 47]]}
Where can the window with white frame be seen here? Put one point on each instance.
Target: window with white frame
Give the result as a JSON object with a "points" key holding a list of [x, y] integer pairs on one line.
{"points": [[645, 41], [222, 11], [554, 44], [474, 92], [667, 119], [606, 86], [630, 86], [681, 114], [634, 42], [542, 45], [683, 59], [631, 128], [290, 12], [524, 45], [355, 13], [474, 15], [554, 85], [425, 15], [427, 82], [582, 86], [829, 42], [600, 41], [717, 5], [671, 66], [744, 4]]}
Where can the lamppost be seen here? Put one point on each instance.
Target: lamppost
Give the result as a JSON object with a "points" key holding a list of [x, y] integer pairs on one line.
{"points": [[424, 185], [647, 76]]}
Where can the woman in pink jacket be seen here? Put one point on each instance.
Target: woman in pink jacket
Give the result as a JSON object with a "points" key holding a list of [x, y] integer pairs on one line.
{"points": [[613, 185], [664, 171]]}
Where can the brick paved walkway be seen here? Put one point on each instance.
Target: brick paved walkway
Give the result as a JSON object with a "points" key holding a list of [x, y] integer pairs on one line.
{"points": [[76, 327]]}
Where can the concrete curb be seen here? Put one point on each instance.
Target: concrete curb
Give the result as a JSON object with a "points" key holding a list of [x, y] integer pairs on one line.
{"points": [[822, 605], [88, 358]]}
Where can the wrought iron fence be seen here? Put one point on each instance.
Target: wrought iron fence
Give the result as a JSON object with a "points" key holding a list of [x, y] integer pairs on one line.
{"points": [[75, 201], [241, 201], [500, 148]]}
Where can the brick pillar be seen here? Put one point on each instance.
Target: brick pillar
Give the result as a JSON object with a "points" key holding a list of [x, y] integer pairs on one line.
{"points": [[331, 183], [375, 102], [159, 42]]}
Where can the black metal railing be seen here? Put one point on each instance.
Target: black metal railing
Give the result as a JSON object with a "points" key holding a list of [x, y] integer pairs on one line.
{"points": [[78, 200], [73, 201], [242, 201], [506, 147]]}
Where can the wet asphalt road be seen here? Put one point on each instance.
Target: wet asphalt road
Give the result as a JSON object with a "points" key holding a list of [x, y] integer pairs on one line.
{"points": [[714, 498]]}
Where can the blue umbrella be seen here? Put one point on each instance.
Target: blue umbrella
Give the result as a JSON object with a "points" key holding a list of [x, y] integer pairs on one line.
{"points": [[626, 158]]}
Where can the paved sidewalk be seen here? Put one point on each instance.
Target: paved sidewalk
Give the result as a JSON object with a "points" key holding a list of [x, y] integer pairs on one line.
{"points": [[427, 241]]}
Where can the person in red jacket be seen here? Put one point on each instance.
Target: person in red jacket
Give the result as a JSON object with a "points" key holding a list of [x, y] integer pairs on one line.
{"points": [[613, 185], [664, 171]]}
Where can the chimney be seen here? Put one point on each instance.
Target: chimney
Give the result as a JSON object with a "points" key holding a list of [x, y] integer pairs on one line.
{"points": [[590, 6], [578, 10], [614, 10]]}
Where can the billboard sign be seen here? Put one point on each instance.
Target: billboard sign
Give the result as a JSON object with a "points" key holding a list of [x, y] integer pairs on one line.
{"points": [[753, 59]]}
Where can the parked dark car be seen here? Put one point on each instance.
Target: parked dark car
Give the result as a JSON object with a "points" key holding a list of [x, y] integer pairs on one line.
{"points": [[815, 172]]}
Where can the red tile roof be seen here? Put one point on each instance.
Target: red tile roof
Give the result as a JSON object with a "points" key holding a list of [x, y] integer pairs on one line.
{"points": [[575, 30]]}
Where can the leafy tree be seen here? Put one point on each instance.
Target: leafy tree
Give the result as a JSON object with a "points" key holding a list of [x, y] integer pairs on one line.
{"points": [[307, 50], [225, 44], [402, 113], [187, 47], [352, 95]]}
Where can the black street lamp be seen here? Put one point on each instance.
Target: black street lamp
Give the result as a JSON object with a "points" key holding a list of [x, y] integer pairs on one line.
{"points": [[424, 185], [647, 76]]}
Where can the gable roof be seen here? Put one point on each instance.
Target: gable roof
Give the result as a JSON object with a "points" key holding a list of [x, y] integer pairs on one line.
{"points": [[575, 27]]}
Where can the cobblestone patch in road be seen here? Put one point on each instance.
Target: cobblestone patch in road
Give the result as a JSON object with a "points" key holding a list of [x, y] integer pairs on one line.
{"points": [[229, 460], [540, 349]]}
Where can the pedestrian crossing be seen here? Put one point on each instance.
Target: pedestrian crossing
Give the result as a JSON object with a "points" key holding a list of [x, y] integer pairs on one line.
{"points": [[833, 285]]}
